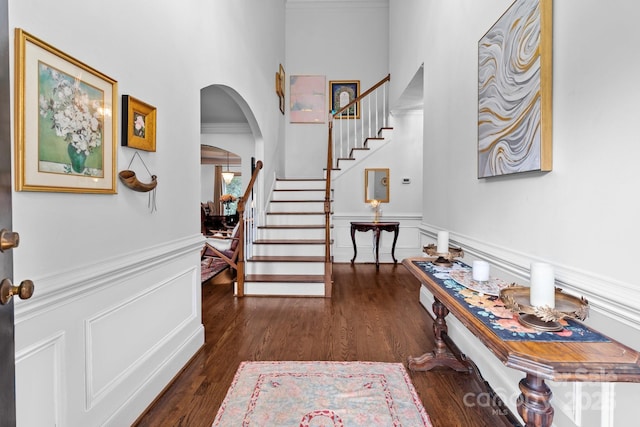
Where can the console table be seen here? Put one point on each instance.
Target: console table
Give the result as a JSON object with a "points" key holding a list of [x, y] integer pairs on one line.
{"points": [[608, 361], [376, 227]]}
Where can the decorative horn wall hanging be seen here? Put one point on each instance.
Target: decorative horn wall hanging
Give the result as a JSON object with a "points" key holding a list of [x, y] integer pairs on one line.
{"points": [[129, 179]]}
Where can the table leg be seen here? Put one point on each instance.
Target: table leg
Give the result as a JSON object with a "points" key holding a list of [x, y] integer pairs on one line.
{"points": [[440, 356], [393, 247], [353, 239], [376, 233], [534, 403]]}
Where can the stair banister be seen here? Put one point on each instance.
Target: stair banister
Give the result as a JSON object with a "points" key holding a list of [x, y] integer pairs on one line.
{"points": [[363, 95], [328, 269], [330, 165], [246, 238], [375, 119]]}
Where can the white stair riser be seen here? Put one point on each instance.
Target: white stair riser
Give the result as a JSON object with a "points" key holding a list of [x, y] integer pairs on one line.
{"points": [[315, 206], [373, 145], [257, 267], [298, 195], [301, 185], [290, 233], [295, 219], [288, 250], [286, 289]]}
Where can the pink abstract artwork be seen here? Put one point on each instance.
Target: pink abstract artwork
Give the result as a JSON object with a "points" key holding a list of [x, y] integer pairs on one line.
{"points": [[307, 99]]}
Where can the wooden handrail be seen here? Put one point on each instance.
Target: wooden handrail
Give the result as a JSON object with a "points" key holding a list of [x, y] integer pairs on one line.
{"points": [[327, 215], [240, 272], [363, 95]]}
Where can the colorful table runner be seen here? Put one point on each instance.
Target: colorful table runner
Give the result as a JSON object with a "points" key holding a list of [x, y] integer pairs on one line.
{"points": [[492, 312]]}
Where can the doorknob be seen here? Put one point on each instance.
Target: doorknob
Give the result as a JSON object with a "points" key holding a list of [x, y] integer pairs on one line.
{"points": [[8, 240], [7, 290]]}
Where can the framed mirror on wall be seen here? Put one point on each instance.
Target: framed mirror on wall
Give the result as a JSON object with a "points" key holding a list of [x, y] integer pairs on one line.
{"points": [[376, 185]]}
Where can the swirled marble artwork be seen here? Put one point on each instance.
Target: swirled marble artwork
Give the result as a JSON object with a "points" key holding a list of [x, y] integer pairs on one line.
{"points": [[510, 95]]}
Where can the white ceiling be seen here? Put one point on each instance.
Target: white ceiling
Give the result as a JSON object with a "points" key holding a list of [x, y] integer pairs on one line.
{"points": [[217, 107]]}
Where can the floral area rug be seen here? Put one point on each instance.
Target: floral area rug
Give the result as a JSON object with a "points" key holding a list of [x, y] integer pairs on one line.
{"points": [[329, 394], [210, 267]]}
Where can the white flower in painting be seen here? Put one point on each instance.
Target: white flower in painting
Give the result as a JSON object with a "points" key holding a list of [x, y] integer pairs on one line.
{"points": [[74, 116]]}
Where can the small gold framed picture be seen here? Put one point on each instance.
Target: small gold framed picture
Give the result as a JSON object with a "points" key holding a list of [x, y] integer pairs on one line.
{"points": [[138, 124]]}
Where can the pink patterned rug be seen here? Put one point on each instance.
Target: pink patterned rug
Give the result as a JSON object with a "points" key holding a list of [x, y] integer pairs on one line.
{"points": [[329, 394]]}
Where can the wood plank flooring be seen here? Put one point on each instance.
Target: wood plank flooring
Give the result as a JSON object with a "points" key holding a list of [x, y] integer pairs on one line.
{"points": [[373, 316]]}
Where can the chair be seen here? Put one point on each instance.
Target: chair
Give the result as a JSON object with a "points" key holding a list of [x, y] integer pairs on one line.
{"points": [[224, 248]]}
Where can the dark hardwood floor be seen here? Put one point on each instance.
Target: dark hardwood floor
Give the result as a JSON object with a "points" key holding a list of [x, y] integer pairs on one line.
{"points": [[373, 316]]}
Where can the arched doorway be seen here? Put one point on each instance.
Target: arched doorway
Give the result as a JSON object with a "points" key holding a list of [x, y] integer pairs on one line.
{"points": [[229, 142], [221, 184]]}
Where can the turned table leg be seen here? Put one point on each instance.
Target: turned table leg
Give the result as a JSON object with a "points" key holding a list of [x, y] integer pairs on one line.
{"points": [[376, 237], [393, 247], [440, 356], [534, 403], [353, 240]]}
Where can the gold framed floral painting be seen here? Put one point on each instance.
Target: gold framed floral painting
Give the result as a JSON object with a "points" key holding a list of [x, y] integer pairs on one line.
{"points": [[138, 124], [65, 131]]}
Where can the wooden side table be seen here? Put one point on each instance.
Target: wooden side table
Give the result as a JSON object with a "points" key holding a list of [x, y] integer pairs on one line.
{"points": [[608, 361], [376, 227]]}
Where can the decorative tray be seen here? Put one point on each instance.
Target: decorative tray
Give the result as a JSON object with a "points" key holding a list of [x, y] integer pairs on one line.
{"points": [[516, 298], [431, 250], [491, 287]]}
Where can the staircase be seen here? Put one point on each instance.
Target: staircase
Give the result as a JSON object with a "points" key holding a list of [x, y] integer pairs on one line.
{"points": [[358, 154], [288, 254]]}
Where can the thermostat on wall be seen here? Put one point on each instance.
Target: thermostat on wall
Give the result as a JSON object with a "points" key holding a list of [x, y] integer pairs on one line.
{"points": [[406, 180]]}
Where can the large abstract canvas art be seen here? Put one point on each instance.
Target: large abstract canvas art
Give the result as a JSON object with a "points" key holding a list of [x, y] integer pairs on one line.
{"points": [[514, 91]]}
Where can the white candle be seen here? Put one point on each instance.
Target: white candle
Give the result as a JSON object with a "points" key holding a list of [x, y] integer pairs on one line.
{"points": [[542, 291], [443, 242], [480, 271]]}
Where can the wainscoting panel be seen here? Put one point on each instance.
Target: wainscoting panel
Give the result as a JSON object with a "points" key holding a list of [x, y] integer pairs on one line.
{"points": [[42, 383], [97, 344], [119, 339]]}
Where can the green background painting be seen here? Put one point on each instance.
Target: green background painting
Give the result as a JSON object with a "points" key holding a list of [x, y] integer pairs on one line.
{"points": [[51, 147]]}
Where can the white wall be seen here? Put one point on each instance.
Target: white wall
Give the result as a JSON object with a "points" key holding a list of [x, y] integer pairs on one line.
{"points": [[570, 217], [207, 178], [116, 311], [408, 22], [341, 41]]}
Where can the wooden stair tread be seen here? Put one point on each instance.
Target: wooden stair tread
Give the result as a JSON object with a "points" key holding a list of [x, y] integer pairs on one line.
{"points": [[299, 189], [305, 278], [293, 226], [289, 242], [300, 179], [295, 213], [298, 201], [272, 258]]}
